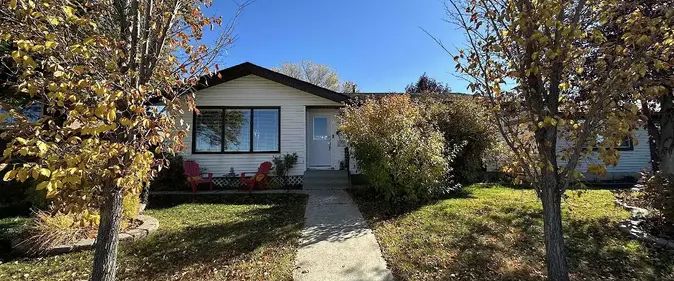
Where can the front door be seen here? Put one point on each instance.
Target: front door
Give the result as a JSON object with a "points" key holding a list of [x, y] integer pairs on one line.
{"points": [[319, 138]]}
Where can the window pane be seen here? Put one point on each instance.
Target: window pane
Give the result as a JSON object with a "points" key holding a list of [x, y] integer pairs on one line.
{"points": [[626, 144], [321, 128], [208, 127], [32, 112], [265, 130], [237, 129]]}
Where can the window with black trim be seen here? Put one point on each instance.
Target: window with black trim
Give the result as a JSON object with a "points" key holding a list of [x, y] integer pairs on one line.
{"points": [[237, 130], [625, 145]]}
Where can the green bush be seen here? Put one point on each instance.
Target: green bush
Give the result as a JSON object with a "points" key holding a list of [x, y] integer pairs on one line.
{"points": [[283, 164], [398, 149], [659, 194], [463, 123], [171, 178], [359, 179]]}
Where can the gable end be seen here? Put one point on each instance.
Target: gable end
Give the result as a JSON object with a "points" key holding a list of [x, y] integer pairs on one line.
{"points": [[248, 68]]}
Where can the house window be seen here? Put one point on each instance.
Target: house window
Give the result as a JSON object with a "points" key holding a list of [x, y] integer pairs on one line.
{"points": [[321, 128], [265, 130], [32, 112], [208, 128], [625, 145], [237, 130]]}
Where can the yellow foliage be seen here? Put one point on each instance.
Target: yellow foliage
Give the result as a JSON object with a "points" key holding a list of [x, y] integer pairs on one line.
{"points": [[130, 206], [389, 136], [597, 169], [97, 134]]}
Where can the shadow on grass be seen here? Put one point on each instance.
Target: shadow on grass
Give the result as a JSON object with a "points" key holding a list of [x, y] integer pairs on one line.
{"points": [[495, 247], [375, 209], [503, 240], [202, 248], [9, 228], [214, 245], [201, 242]]}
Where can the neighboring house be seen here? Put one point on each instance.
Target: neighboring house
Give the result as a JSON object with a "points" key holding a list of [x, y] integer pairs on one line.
{"points": [[33, 112], [273, 114], [635, 157], [277, 114]]}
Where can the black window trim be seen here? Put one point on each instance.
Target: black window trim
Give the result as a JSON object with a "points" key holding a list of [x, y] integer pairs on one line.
{"points": [[222, 143], [630, 147]]}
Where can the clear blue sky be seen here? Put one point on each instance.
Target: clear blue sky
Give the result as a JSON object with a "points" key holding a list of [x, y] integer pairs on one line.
{"points": [[378, 44]]}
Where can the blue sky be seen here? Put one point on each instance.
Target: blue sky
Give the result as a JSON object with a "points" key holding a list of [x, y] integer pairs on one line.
{"points": [[376, 43]]}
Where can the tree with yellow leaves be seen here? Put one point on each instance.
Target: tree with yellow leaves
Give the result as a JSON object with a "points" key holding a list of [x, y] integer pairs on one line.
{"points": [[96, 67], [644, 31], [555, 93]]}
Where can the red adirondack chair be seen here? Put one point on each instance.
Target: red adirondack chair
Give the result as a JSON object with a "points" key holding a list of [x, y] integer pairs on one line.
{"points": [[195, 177], [261, 178]]}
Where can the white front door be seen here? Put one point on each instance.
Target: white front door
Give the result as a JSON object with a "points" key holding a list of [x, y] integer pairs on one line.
{"points": [[320, 130]]}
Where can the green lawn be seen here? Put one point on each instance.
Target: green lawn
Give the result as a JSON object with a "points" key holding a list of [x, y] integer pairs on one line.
{"points": [[233, 237], [496, 234]]}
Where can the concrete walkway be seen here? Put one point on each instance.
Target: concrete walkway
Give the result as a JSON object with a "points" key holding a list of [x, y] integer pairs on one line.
{"points": [[336, 242]]}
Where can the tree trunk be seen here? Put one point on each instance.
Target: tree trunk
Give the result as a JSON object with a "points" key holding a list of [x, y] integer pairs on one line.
{"points": [[665, 142], [551, 197], [105, 257], [653, 135], [552, 228]]}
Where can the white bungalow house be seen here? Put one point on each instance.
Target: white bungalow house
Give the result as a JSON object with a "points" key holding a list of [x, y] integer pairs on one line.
{"points": [[276, 114], [280, 114]]}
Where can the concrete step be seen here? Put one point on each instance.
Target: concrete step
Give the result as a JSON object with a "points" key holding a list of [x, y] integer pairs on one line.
{"points": [[325, 172], [335, 180], [326, 176], [325, 185], [332, 182], [342, 179], [325, 179]]}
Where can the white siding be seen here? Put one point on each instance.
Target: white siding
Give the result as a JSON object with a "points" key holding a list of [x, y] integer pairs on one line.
{"points": [[631, 162], [252, 90]]}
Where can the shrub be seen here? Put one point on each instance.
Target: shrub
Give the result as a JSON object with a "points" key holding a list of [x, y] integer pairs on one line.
{"points": [[131, 206], [47, 230], [283, 164], [659, 194], [172, 177], [395, 146], [463, 123]]}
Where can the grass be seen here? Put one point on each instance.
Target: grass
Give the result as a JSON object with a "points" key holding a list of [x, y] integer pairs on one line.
{"points": [[496, 234], [219, 237]]}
